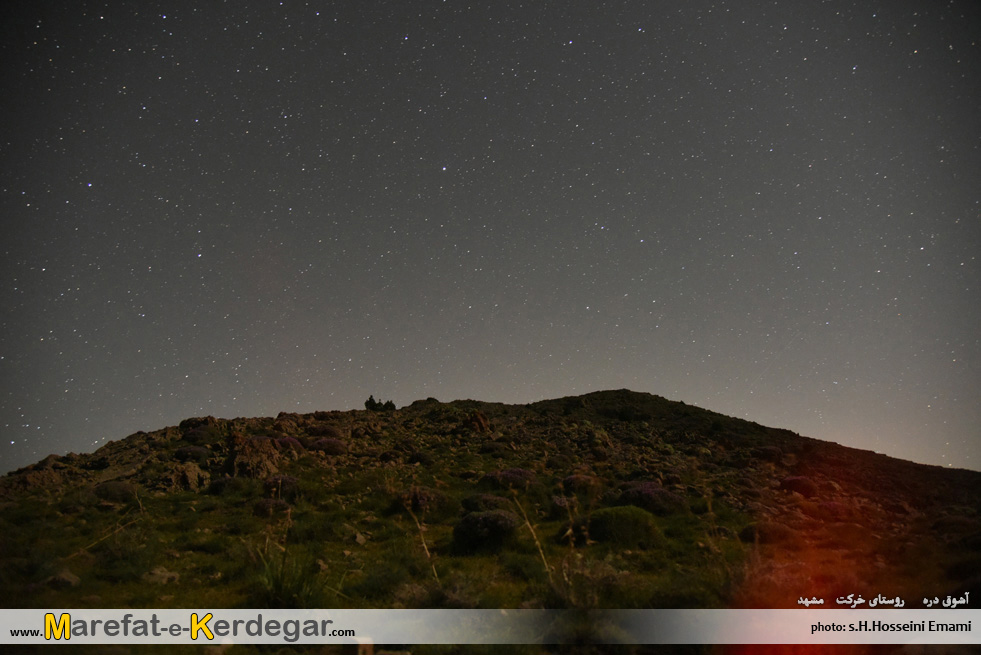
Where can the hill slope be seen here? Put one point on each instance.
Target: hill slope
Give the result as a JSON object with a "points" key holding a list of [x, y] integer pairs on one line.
{"points": [[611, 499]]}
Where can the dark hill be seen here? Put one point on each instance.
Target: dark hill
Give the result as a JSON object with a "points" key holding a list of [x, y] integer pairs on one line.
{"points": [[611, 499]]}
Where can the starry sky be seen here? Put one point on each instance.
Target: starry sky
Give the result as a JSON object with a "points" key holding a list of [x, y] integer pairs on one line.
{"points": [[767, 209]]}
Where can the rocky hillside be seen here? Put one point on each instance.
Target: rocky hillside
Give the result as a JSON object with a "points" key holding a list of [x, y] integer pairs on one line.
{"points": [[612, 499]]}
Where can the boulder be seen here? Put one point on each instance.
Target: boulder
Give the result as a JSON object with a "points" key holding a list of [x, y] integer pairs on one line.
{"points": [[255, 457], [186, 476]]}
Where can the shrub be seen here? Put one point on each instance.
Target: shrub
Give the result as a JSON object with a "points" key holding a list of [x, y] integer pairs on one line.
{"points": [[485, 503], [284, 582], [496, 449], [290, 443], [628, 527], [801, 484], [228, 486], [126, 555], [284, 487], [116, 491], [581, 483], [423, 500], [485, 531], [563, 506], [379, 582], [270, 507], [652, 497], [515, 478], [311, 526]]}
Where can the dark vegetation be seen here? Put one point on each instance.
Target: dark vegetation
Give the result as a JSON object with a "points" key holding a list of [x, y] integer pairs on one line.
{"points": [[614, 499]]}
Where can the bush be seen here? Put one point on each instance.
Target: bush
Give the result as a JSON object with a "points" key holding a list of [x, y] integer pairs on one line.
{"points": [[563, 507], [496, 449], [485, 531], [311, 526], [284, 487], [423, 500], [125, 556], [510, 479], [652, 497], [581, 483], [801, 484], [627, 527], [270, 507], [485, 503], [379, 581], [116, 491], [229, 486], [290, 443], [285, 582]]}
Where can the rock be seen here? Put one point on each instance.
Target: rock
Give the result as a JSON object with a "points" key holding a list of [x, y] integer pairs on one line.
{"points": [[182, 477], [330, 446], [42, 479], [189, 424], [286, 424], [197, 454], [160, 575], [50, 462], [201, 436], [477, 422], [326, 431], [254, 458], [63, 580]]}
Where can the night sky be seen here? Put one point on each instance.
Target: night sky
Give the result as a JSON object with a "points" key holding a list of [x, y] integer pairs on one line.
{"points": [[767, 209]]}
